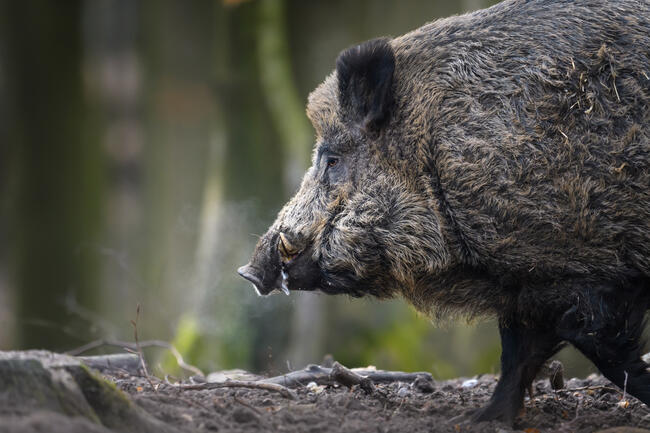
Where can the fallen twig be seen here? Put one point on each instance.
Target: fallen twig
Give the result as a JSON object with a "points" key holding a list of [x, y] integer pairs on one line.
{"points": [[349, 378], [129, 362], [312, 373], [284, 391], [322, 376], [592, 388]]}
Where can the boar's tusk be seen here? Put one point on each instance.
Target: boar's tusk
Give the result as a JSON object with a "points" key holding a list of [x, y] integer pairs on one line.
{"points": [[286, 249], [285, 287]]}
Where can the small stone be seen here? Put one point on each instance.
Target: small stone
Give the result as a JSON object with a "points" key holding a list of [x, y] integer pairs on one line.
{"points": [[592, 377], [197, 379], [623, 404], [315, 388], [574, 383], [423, 385], [403, 392], [469, 383]]}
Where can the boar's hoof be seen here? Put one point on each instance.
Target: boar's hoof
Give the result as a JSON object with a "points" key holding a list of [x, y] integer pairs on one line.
{"points": [[493, 412]]}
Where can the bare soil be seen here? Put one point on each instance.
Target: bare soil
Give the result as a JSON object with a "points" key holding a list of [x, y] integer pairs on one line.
{"points": [[48, 392], [588, 405]]}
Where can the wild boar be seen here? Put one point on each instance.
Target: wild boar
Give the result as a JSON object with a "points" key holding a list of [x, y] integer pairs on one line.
{"points": [[495, 163]]}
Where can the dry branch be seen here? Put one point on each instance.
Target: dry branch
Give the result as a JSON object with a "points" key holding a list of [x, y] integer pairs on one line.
{"points": [[323, 376], [347, 377], [285, 392], [129, 362], [294, 379]]}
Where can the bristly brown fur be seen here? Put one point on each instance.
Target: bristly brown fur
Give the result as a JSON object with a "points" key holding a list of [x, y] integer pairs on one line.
{"points": [[530, 140]]}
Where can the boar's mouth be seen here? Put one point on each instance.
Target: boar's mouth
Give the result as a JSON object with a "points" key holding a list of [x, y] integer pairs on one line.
{"points": [[278, 265]]}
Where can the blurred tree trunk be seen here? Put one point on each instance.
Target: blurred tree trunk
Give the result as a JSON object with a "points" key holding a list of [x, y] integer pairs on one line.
{"points": [[193, 333], [209, 247], [177, 69], [114, 84], [285, 106], [7, 307], [287, 112], [56, 179]]}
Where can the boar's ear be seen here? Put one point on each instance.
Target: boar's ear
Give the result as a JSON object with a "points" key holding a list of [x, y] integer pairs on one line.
{"points": [[365, 78]]}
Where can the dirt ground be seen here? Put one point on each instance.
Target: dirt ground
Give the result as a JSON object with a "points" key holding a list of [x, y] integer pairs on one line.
{"points": [[588, 405], [48, 392]]}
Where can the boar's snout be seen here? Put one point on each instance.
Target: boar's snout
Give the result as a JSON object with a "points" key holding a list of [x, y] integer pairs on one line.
{"points": [[253, 275], [264, 268], [281, 262]]}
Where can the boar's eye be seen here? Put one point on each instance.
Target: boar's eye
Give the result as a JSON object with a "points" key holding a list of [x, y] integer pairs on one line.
{"points": [[333, 167], [332, 161]]}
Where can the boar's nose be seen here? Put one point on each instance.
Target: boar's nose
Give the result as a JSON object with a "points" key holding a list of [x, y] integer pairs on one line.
{"points": [[287, 249], [250, 273]]}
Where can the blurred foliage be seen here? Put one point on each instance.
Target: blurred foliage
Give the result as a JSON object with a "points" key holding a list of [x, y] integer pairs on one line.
{"points": [[148, 145]]}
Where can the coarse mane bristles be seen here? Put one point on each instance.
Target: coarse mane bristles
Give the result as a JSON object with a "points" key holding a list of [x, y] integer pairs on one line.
{"points": [[322, 107], [503, 166]]}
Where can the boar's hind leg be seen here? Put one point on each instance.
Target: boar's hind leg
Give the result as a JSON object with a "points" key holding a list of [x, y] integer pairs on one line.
{"points": [[607, 330], [523, 351]]}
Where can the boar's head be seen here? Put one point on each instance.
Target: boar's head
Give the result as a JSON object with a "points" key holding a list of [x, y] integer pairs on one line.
{"points": [[363, 221]]}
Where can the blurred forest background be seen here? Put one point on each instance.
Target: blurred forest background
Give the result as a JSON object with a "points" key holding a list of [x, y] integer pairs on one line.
{"points": [[144, 146]]}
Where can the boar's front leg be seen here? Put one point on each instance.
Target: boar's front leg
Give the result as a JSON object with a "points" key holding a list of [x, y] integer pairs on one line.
{"points": [[607, 327], [523, 352]]}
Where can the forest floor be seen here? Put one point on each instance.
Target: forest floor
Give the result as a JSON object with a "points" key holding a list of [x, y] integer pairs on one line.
{"points": [[78, 400], [588, 405]]}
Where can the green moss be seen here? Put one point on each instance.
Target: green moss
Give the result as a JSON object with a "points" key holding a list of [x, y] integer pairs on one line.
{"points": [[110, 404], [113, 407]]}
